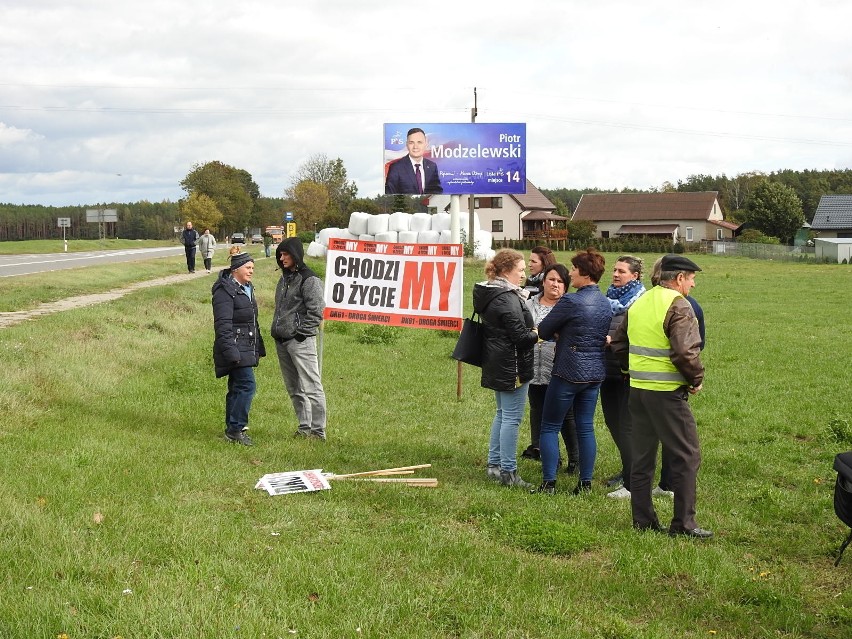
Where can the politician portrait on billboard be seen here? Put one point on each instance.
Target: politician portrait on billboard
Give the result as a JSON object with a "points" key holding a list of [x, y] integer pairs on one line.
{"points": [[454, 159]]}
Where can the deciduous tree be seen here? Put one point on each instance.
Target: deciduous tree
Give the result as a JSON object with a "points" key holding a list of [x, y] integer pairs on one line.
{"points": [[776, 210], [233, 191], [332, 175], [202, 211]]}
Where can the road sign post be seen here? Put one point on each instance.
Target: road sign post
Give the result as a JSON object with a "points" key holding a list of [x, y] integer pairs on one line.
{"points": [[64, 223]]}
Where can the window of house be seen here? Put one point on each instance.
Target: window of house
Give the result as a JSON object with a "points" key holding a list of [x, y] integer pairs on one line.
{"points": [[496, 226], [496, 202], [689, 234], [605, 234], [719, 235]]}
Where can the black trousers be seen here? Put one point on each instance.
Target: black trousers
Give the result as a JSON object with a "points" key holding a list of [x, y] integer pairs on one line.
{"points": [[614, 396], [190, 258], [663, 416], [569, 427]]}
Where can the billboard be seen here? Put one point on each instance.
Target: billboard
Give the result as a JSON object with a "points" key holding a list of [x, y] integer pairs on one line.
{"points": [[455, 159]]}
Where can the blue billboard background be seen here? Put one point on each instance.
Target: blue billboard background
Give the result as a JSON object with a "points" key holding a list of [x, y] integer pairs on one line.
{"points": [[471, 158]]}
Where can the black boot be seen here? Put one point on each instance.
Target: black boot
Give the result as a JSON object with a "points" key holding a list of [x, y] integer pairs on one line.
{"points": [[547, 488]]}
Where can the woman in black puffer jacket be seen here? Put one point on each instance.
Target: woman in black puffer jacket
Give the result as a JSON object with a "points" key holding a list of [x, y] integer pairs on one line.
{"points": [[238, 345], [507, 358], [580, 321]]}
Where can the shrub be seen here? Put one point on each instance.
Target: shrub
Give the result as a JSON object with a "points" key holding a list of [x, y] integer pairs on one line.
{"points": [[378, 334]]}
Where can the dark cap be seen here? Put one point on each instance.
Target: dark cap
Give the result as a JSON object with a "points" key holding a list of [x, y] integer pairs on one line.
{"points": [[240, 259], [673, 262]]}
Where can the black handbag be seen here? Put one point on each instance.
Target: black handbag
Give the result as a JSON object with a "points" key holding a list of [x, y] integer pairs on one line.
{"points": [[843, 495], [469, 346]]}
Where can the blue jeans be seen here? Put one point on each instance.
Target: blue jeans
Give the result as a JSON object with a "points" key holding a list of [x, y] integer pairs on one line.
{"points": [[562, 395], [241, 388], [503, 445]]}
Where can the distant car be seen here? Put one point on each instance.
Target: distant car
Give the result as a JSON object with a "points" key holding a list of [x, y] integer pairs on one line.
{"points": [[238, 238], [257, 238]]}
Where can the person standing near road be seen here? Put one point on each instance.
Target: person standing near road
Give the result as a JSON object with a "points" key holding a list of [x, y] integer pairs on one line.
{"points": [[206, 246], [238, 344], [189, 239], [660, 344], [299, 306]]}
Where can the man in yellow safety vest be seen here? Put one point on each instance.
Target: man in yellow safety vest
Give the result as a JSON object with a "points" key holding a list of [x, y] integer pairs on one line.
{"points": [[660, 345]]}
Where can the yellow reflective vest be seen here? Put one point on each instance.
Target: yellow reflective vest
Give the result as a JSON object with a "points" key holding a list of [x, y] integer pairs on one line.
{"points": [[650, 351]]}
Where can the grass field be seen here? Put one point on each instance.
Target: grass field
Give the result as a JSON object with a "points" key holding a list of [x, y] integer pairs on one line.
{"points": [[127, 515]]}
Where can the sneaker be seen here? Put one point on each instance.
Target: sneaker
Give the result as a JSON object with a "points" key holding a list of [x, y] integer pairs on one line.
{"points": [[582, 488], [239, 438], [513, 480], [494, 472], [621, 493], [659, 492]]}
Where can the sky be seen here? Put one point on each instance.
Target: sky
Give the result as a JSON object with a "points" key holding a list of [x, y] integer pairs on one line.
{"points": [[116, 102]]}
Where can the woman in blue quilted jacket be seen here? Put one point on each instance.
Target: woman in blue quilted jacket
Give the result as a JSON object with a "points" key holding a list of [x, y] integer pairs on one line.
{"points": [[580, 322]]}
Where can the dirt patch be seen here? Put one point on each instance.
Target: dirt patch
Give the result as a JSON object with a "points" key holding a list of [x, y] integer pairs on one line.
{"points": [[80, 301]]}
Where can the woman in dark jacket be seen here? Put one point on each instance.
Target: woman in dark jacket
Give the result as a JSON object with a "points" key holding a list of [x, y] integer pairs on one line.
{"points": [[580, 322], [507, 358], [238, 345]]}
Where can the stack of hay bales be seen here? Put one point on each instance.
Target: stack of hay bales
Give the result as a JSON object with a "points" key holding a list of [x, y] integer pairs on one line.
{"points": [[408, 228]]}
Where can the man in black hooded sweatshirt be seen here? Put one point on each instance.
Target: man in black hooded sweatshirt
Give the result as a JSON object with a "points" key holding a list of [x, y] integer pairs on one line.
{"points": [[299, 306]]}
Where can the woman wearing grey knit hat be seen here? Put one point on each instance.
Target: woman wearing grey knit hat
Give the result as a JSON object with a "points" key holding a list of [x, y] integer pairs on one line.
{"points": [[238, 344]]}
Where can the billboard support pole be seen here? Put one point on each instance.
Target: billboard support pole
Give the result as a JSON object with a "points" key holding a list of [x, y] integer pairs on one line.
{"points": [[471, 226], [455, 234]]}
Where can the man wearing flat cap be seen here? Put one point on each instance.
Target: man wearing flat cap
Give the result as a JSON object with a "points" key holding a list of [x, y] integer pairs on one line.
{"points": [[660, 345], [238, 345]]}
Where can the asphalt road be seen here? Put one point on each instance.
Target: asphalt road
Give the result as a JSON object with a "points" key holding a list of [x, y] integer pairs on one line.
{"points": [[12, 265]]}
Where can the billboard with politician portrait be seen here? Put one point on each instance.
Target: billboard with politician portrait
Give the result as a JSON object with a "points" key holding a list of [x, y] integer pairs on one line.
{"points": [[455, 159]]}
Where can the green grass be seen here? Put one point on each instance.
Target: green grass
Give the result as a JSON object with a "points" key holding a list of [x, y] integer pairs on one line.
{"points": [[116, 478]]}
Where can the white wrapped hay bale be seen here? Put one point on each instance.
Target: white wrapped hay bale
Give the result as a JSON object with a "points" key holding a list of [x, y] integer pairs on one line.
{"points": [[483, 238], [441, 221], [358, 223], [399, 221], [485, 254], [482, 246], [366, 237], [428, 237], [446, 236], [378, 223], [315, 249], [407, 237], [325, 234], [387, 236], [464, 216], [421, 222]]}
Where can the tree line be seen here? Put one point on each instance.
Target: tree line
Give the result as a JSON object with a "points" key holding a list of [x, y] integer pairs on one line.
{"points": [[227, 199]]}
